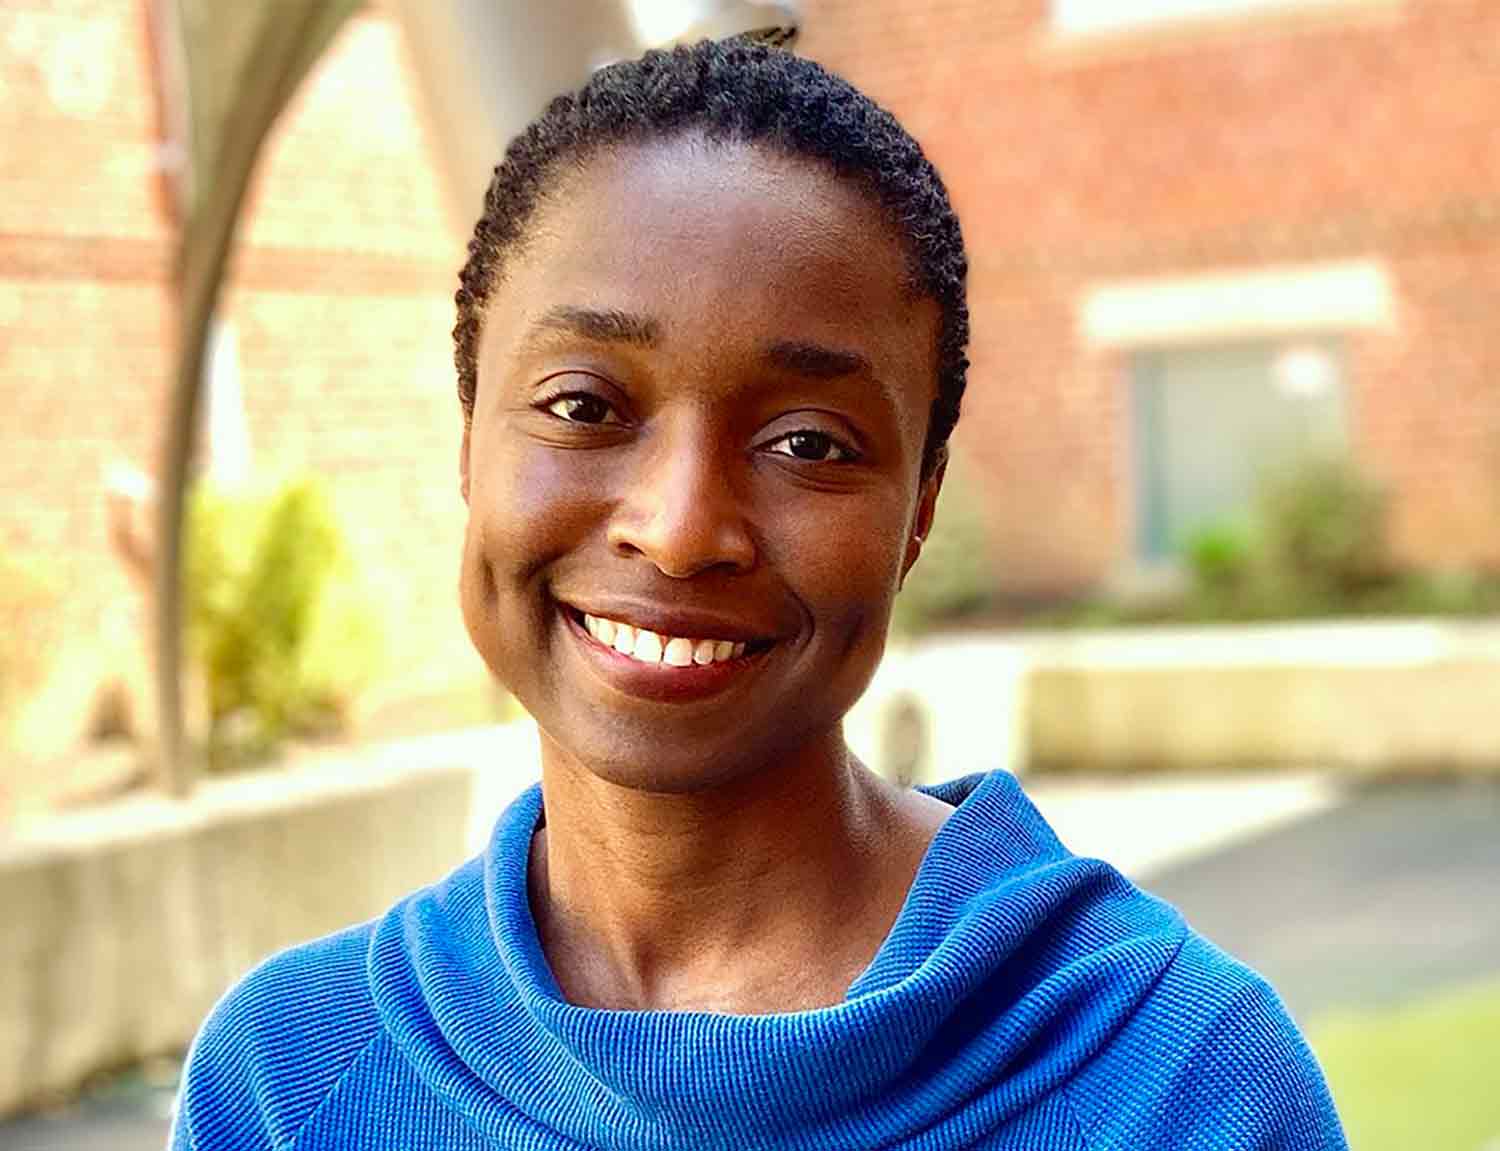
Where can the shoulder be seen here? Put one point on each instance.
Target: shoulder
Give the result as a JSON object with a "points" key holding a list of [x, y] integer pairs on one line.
{"points": [[275, 1045], [1211, 1060]]}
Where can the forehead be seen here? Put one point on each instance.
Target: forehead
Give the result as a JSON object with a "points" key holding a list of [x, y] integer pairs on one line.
{"points": [[723, 243]]}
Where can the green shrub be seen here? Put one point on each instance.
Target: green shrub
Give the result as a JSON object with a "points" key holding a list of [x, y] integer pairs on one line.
{"points": [[1321, 531], [1314, 544], [1460, 593], [276, 624], [953, 579], [1220, 557]]}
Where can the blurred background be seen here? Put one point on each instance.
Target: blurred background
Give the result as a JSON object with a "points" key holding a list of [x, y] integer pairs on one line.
{"points": [[1217, 569]]}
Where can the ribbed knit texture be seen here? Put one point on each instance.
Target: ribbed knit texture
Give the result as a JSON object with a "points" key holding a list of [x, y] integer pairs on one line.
{"points": [[1025, 999]]}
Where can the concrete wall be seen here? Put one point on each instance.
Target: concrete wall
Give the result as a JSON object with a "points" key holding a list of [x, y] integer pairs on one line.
{"points": [[943, 708], [122, 926], [1386, 697]]}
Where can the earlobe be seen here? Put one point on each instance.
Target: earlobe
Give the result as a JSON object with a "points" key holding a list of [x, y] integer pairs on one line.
{"points": [[926, 513], [913, 550], [463, 464]]}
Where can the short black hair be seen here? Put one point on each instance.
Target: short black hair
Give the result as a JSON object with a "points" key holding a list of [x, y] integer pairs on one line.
{"points": [[748, 92]]}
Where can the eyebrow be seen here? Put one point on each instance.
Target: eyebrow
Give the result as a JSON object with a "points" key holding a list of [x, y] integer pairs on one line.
{"points": [[817, 361], [820, 362], [606, 326]]}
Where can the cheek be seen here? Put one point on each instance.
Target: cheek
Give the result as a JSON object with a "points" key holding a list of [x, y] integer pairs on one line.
{"points": [[524, 512], [849, 568], [847, 564], [526, 507]]}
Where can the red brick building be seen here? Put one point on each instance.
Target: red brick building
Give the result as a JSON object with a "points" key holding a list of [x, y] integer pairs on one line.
{"points": [[335, 357], [1199, 230]]}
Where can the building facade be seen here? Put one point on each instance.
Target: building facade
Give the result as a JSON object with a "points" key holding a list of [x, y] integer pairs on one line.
{"points": [[1202, 233], [332, 352]]}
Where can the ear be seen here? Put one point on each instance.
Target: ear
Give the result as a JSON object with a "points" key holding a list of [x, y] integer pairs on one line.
{"points": [[921, 528], [463, 464]]}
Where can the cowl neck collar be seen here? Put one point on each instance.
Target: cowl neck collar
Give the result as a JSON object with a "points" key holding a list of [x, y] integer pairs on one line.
{"points": [[962, 1020]]}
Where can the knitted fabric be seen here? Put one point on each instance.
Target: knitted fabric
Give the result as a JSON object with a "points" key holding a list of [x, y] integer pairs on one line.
{"points": [[1025, 999]]}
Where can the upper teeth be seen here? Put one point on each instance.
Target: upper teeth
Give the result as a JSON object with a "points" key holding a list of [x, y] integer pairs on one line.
{"points": [[649, 647]]}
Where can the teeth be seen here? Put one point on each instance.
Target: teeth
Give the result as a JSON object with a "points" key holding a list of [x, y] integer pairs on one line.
{"points": [[624, 638], [649, 647]]}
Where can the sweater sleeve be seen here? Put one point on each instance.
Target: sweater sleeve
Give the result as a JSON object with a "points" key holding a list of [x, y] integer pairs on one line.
{"points": [[1212, 1063], [274, 1047]]}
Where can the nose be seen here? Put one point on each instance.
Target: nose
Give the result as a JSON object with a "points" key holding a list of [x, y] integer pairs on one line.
{"points": [[682, 509]]}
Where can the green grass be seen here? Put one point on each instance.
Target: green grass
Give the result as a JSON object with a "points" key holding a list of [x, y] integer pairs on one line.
{"points": [[1424, 1076]]}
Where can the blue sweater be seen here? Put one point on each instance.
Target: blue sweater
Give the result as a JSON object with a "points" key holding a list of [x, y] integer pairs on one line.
{"points": [[1025, 999]]}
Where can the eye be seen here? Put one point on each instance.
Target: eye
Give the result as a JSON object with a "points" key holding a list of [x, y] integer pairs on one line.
{"points": [[583, 408], [815, 447]]}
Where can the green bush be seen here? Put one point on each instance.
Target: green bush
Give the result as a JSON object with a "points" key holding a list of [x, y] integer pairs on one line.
{"points": [[1321, 529], [277, 627], [1314, 543], [953, 578], [1460, 593], [1220, 557]]}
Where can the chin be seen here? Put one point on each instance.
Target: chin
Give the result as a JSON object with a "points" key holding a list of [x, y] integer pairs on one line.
{"points": [[654, 762]]}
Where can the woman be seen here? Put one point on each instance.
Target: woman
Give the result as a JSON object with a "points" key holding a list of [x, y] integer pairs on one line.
{"points": [[710, 347]]}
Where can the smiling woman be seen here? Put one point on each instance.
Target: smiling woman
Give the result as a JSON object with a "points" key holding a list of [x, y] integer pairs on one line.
{"points": [[701, 406], [710, 348]]}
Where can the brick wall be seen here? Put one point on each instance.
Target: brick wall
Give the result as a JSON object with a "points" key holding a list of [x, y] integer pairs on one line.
{"points": [[340, 299], [84, 326], [1364, 134]]}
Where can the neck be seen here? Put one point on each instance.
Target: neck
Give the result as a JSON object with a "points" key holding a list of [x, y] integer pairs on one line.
{"points": [[769, 893]]}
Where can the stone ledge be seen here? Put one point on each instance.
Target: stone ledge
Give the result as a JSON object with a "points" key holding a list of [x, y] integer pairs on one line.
{"points": [[124, 924], [1384, 696]]}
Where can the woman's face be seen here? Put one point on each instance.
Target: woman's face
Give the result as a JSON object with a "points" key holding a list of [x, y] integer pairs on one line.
{"points": [[703, 394]]}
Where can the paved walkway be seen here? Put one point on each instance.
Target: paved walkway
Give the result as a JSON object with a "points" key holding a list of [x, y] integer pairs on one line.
{"points": [[136, 1119], [1144, 824], [1346, 895], [1390, 896]]}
